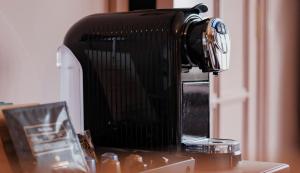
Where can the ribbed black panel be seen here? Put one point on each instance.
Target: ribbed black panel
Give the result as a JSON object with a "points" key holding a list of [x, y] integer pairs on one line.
{"points": [[131, 73], [130, 89]]}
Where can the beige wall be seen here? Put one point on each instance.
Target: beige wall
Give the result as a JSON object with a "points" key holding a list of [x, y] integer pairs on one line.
{"points": [[30, 32]]}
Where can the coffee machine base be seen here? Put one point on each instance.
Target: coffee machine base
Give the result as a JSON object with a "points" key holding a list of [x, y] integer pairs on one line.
{"points": [[142, 161], [180, 162]]}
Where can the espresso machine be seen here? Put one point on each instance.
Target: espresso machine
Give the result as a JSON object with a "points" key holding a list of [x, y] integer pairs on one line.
{"points": [[140, 79]]}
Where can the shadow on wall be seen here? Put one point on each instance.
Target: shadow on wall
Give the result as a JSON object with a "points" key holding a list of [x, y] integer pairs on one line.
{"points": [[290, 119]]}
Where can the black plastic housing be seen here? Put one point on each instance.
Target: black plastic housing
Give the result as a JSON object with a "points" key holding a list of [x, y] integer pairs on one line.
{"points": [[132, 64]]}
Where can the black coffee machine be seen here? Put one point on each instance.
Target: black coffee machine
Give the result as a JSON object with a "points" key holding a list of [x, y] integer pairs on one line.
{"points": [[140, 80]]}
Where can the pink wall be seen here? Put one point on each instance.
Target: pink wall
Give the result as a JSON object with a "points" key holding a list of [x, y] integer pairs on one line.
{"points": [[30, 32]]}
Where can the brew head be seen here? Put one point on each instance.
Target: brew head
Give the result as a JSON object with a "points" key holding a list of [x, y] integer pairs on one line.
{"points": [[208, 45]]}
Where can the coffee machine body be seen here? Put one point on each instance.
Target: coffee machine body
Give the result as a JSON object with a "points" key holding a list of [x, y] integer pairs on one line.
{"points": [[140, 79]]}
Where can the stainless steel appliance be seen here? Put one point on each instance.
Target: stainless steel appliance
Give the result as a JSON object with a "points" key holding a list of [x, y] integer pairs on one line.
{"points": [[141, 79]]}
